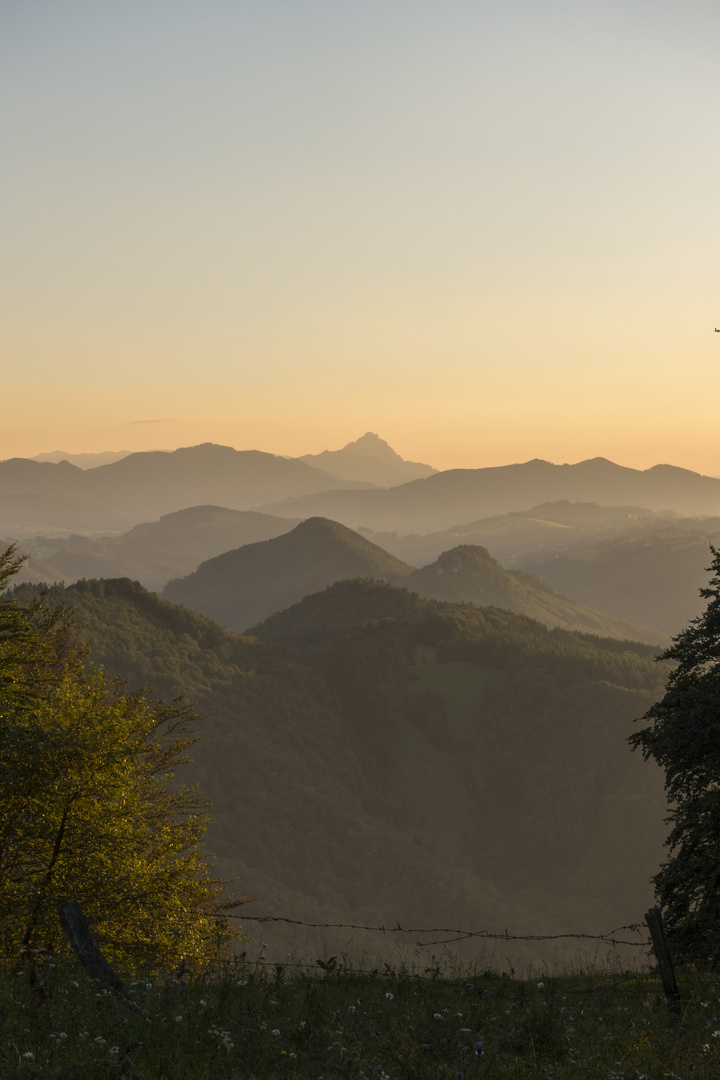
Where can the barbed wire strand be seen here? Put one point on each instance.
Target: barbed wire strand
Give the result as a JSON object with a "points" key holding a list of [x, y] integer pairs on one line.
{"points": [[458, 935]]}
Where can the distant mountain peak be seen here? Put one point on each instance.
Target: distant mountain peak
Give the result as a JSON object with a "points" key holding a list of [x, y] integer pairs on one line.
{"points": [[371, 445], [369, 458]]}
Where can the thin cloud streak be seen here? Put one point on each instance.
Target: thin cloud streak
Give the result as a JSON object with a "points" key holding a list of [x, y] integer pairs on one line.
{"points": [[158, 420]]}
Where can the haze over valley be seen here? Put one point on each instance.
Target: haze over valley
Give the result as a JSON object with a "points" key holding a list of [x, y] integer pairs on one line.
{"points": [[394, 672], [360, 373]]}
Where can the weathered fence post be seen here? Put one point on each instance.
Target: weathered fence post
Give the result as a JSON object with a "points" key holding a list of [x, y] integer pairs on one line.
{"points": [[656, 927], [82, 942]]}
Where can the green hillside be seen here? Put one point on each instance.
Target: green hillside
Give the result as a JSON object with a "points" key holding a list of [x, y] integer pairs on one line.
{"points": [[378, 757]]}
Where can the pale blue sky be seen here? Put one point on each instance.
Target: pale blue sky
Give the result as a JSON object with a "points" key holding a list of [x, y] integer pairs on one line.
{"points": [[487, 231]]}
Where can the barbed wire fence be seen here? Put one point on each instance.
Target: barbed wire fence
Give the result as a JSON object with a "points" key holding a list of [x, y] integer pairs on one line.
{"points": [[431, 937], [458, 935]]}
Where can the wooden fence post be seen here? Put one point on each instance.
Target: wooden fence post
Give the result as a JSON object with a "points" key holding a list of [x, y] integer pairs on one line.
{"points": [[82, 942], [654, 920]]}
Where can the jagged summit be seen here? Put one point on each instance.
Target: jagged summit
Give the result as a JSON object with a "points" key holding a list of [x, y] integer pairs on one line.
{"points": [[371, 459]]}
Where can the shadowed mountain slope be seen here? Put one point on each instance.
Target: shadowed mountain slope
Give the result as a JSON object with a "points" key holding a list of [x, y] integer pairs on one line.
{"points": [[368, 458], [245, 586], [151, 553], [542, 531], [470, 574], [420, 762], [651, 574], [459, 496], [59, 499], [242, 587]]}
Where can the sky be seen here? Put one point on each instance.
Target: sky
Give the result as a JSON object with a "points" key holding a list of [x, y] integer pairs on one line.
{"points": [[487, 231]]}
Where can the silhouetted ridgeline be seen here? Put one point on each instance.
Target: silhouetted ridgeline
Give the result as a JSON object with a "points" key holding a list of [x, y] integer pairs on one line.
{"points": [[374, 756], [60, 499], [464, 495], [245, 586]]}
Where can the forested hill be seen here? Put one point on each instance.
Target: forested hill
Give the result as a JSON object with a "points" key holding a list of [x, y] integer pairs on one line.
{"points": [[379, 757], [243, 586]]}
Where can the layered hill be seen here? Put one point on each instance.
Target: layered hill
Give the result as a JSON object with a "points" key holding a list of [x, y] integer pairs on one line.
{"points": [[84, 461], [60, 499], [469, 574], [459, 496], [369, 458], [651, 575], [244, 586], [240, 588], [151, 553], [540, 532], [380, 758]]}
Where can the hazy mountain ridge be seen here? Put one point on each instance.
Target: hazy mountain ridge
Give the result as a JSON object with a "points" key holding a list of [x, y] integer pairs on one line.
{"points": [[652, 574], [151, 553], [84, 461], [144, 485], [546, 529], [469, 574], [243, 587], [459, 496], [472, 761]]}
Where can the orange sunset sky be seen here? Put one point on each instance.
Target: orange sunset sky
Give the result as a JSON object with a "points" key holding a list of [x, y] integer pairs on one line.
{"points": [[487, 231]]}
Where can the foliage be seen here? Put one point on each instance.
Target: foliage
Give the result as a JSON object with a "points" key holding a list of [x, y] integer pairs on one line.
{"points": [[87, 807], [380, 757], [395, 1025], [684, 739]]}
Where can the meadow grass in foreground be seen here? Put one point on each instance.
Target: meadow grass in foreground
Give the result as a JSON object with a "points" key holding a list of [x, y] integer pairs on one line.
{"points": [[390, 1026]]}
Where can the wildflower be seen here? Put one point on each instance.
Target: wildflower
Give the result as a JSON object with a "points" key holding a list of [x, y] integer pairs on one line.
{"points": [[275, 1031], [425, 1047], [178, 1019], [478, 1048], [114, 1049], [541, 986], [390, 996], [29, 1054], [437, 1016]]}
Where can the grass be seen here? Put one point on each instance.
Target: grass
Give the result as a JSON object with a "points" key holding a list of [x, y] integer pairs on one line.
{"points": [[250, 1024]]}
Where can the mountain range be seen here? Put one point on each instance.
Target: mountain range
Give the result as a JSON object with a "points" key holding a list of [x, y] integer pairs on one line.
{"points": [[60, 499], [459, 496], [245, 586], [242, 587], [374, 757], [151, 553]]}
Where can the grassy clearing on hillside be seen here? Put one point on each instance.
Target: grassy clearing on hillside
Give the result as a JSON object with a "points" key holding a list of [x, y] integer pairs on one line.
{"points": [[392, 1025]]}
